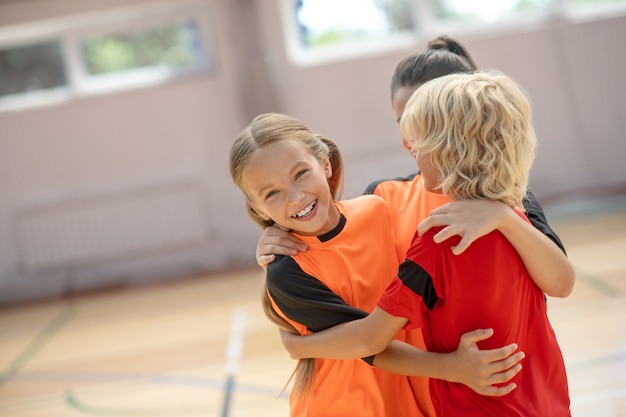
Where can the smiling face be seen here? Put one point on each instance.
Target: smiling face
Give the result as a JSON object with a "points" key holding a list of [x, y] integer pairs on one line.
{"points": [[289, 185]]}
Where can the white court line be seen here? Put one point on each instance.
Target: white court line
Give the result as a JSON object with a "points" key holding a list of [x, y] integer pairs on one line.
{"points": [[600, 396], [233, 355]]}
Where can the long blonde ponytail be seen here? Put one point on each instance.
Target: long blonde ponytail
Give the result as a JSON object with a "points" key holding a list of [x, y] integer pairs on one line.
{"points": [[305, 371]]}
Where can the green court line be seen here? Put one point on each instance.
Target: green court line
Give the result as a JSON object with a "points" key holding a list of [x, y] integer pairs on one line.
{"points": [[77, 405], [37, 344], [597, 284]]}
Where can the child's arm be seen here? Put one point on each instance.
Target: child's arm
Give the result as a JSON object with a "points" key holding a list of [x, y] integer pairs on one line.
{"points": [[277, 241], [374, 335], [547, 264], [351, 340], [478, 369]]}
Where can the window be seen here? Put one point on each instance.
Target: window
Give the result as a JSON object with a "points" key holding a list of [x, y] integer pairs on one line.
{"points": [[111, 52], [488, 11], [327, 22], [332, 28], [319, 31], [31, 71], [33, 67], [590, 8], [141, 55]]}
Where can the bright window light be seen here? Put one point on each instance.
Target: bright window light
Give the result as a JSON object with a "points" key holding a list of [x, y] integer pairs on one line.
{"points": [[488, 11], [325, 21], [318, 30]]}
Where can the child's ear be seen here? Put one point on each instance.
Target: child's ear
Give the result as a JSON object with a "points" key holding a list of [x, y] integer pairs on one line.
{"points": [[328, 169]]}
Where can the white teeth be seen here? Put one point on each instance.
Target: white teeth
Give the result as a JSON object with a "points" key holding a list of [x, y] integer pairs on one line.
{"points": [[305, 211]]}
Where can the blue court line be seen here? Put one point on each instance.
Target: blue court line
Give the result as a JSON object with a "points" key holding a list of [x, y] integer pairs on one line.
{"points": [[37, 344]]}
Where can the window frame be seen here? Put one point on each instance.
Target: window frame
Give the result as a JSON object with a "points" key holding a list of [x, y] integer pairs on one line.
{"points": [[71, 30], [302, 57]]}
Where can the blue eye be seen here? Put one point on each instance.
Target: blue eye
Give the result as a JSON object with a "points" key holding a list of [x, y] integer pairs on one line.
{"points": [[301, 173], [270, 194]]}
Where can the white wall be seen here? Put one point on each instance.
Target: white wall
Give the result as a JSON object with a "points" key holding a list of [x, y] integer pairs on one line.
{"points": [[94, 151]]}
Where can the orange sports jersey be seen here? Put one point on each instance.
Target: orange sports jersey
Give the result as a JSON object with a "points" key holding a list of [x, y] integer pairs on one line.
{"points": [[340, 278], [410, 203]]}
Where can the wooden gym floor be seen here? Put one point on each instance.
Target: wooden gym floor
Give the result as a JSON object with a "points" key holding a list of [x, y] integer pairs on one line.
{"points": [[202, 347]]}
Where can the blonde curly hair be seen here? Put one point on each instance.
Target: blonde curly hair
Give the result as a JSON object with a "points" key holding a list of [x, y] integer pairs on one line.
{"points": [[476, 131]]}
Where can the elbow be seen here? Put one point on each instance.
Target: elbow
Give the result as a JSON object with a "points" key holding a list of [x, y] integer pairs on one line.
{"points": [[293, 356], [371, 346], [289, 341], [566, 285]]}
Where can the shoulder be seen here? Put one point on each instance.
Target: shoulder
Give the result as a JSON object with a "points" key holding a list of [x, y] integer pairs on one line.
{"points": [[426, 243], [377, 186], [283, 272], [284, 275], [362, 202]]}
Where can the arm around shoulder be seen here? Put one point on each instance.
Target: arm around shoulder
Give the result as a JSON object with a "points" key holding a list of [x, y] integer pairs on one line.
{"points": [[546, 263], [351, 340]]}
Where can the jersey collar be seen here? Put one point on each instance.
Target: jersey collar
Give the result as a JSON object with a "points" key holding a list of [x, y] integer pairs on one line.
{"points": [[329, 235]]}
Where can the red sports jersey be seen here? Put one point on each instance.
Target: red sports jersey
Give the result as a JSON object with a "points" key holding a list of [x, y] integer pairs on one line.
{"points": [[487, 286]]}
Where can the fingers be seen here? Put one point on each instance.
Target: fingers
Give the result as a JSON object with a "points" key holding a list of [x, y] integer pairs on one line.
{"points": [[425, 225], [437, 221], [264, 260], [473, 337], [279, 236], [443, 209], [276, 230], [492, 391], [505, 376], [462, 245], [504, 370], [501, 353], [271, 245], [280, 248], [290, 242], [447, 232], [508, 362]]}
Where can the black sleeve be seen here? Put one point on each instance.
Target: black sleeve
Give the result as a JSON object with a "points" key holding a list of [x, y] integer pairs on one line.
{"points": [[372, 186], [535, 214], [305, 299]]}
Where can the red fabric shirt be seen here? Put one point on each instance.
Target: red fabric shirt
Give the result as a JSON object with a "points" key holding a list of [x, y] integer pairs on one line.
{"points": [[486, 286]]}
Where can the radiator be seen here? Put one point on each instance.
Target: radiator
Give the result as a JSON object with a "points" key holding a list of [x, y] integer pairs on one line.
{"points": [[99, 229]]}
